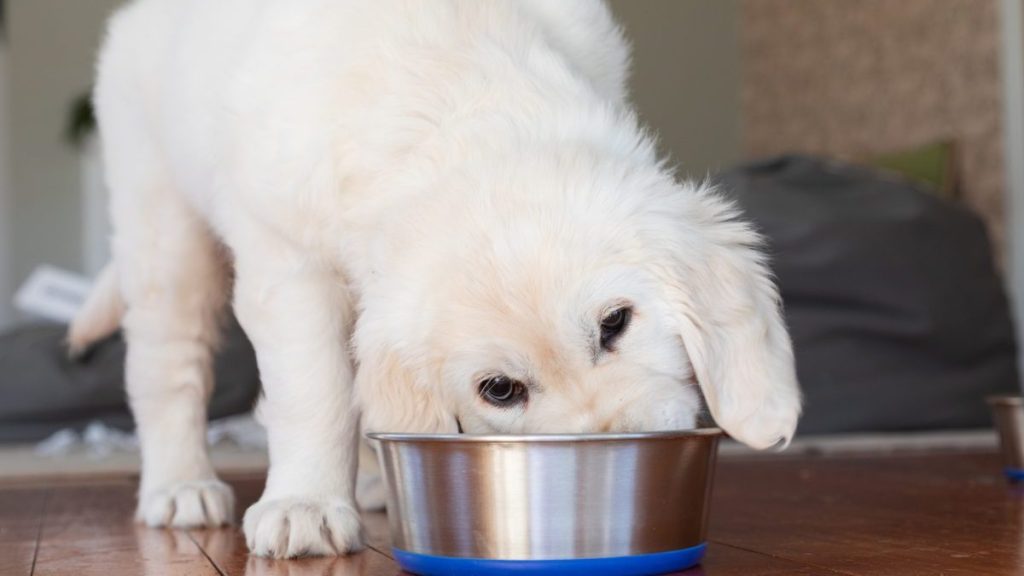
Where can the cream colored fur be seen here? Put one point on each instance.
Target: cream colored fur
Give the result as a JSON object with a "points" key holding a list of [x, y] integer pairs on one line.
{"points": [[413, 196]]}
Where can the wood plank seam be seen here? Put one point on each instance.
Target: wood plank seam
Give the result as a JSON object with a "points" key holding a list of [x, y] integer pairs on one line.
{"points": [[385, 553], [205, 554], [39, 529], [785, 558]]}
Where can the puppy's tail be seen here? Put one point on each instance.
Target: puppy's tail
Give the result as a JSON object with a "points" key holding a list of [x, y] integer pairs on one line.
{"points": [[100, 316]]}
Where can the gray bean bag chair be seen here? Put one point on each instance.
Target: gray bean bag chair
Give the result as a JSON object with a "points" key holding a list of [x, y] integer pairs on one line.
{"points": [[898, 316], [42, 390]]}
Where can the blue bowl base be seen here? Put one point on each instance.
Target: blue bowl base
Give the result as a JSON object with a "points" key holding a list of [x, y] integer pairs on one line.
{"points": [[1014, 474], [639, 565]]}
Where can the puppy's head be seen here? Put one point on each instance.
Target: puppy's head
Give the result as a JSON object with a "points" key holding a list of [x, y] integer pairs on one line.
{"points": [[573, 293]]}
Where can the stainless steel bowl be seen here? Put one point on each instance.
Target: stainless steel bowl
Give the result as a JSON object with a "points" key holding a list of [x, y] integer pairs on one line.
{"points": [[1008, 415], [548, 498]]}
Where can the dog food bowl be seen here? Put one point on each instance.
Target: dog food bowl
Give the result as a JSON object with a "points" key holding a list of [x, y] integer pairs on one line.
{"points": [[1008, 415], [623, 504]]}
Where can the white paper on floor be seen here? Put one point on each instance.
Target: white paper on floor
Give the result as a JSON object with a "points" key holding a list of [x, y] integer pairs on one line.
{"points": [[99, 440]]}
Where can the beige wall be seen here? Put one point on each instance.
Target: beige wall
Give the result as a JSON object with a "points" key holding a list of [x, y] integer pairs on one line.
{"points": [[852, 79], [52, 48], [686, 77]]}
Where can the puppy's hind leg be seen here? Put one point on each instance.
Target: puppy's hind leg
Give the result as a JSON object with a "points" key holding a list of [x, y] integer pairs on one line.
{"points": [[173, 282]]}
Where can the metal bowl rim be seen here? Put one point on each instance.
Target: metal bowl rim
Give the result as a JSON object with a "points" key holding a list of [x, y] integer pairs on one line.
{"points": [[525, 438], [1005, 400]]}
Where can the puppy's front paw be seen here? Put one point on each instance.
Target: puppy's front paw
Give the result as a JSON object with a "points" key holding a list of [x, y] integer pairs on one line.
{"points": [[203, 503], [292, 527]]}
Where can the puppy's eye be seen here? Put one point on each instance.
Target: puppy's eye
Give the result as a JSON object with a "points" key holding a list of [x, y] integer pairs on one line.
{"points": [[503, 391], [613, 325]]}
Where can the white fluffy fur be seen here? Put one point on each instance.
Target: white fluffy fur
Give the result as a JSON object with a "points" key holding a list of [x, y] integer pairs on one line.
{"points": [[414, 195]]}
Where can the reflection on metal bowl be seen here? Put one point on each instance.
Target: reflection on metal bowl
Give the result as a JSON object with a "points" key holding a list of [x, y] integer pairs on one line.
{"points": [[593, 503], [1008, 415]]}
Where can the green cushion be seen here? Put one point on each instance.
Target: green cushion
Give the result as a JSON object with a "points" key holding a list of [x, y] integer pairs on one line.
{"points": [[929, 164]]}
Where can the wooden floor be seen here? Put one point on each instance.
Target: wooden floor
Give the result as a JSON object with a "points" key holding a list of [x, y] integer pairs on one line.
{"points": [[949, 515]]}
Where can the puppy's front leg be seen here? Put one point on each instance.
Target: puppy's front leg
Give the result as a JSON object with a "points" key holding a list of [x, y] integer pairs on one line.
{"points": [[297, 314]]}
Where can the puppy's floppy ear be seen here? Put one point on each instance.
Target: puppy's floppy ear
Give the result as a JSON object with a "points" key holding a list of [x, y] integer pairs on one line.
{"points": [[394, 399], [728, 312]]}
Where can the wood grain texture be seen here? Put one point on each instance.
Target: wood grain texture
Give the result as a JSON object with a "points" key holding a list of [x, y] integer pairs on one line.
{"points": [[807, 516], [21, 516], [89, 531], [911, 515]]}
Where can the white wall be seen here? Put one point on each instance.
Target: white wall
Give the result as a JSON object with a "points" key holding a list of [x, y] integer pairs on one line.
{"points": [[1012, 22], [686, 77], [52, 51], [6, 197], [96, 225]]}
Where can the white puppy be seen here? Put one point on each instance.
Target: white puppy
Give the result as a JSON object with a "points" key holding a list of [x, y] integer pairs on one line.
{"points": [[442, 215]]}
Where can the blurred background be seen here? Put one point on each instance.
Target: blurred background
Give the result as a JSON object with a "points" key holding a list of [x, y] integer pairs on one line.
{"points": [[878, 144]]}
